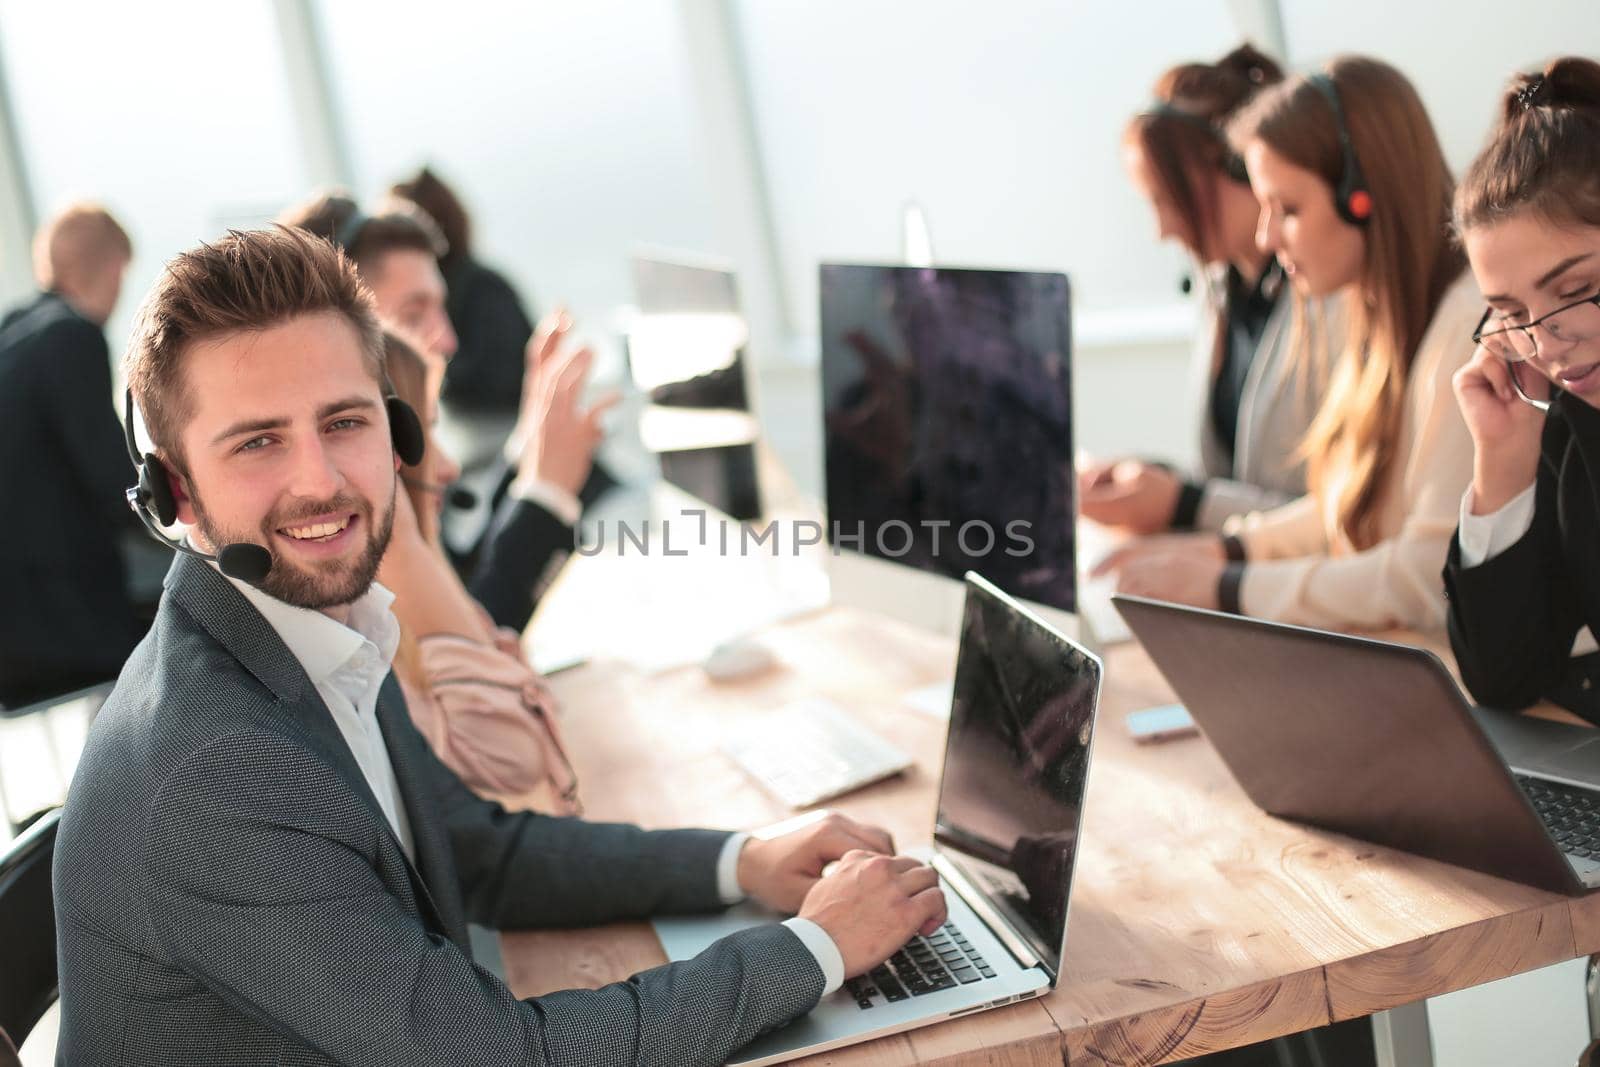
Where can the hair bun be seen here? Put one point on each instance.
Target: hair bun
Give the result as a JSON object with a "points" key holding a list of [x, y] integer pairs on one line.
{"points": [[1571, 83], [1251, 64]]}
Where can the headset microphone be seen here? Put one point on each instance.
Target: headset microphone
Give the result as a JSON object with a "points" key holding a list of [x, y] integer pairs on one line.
{"points": [[152, 500]]}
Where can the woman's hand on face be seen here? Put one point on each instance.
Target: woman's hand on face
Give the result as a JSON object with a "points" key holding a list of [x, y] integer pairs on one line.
{"points": [[1131, 494], [1505, 431]]}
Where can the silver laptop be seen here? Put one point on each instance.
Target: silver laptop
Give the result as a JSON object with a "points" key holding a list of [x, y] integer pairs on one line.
{"points": [[1016, 765], [1374, 740]]}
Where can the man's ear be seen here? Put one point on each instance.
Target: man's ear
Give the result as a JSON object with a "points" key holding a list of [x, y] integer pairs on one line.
{"points": [[180, 495]]}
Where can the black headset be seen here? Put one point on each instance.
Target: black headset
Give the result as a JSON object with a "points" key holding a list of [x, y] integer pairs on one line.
{"points": [[1351, 197], [1232, 162], [152, 500]]}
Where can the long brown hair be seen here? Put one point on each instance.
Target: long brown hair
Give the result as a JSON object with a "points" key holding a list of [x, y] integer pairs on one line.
{"points": [[1410, 261], [1181, 136], [407, 371], [1544, 155]]}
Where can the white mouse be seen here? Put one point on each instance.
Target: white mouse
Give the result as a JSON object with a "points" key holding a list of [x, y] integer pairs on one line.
{"points": [[733, 660]]}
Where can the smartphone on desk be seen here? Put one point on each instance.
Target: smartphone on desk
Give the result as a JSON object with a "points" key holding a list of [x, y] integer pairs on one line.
{"points": [[1164, 723]]}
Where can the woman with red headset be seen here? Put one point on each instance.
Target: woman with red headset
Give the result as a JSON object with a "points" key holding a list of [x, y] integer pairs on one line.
{"points": [[1355, 197]]}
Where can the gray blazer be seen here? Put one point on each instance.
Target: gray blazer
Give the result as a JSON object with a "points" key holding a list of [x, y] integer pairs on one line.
{"points": [[1282, 392], [228, 891]]}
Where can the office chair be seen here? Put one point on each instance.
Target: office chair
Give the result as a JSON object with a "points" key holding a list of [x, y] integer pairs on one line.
{"points": [[27, 929]]}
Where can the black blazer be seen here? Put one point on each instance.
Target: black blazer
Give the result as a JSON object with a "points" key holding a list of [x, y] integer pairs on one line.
{"points": [[521, 551], [1513, 618], [65, 617], [229, 893], [492, 332]]}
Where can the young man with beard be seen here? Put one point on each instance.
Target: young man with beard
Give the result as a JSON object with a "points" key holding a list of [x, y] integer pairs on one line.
{"points": [[262, 862]]}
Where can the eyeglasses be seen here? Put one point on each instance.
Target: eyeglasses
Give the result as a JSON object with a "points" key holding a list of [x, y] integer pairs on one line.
{"points": [[1516, 343]]}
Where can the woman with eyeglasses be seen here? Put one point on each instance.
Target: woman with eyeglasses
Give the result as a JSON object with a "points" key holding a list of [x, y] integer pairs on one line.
{"points": [[1355, 199], [1524, 571], [1255, 396]]}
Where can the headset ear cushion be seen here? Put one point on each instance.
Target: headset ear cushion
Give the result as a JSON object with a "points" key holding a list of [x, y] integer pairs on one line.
{"points": [[405, 430], [156, 489]]}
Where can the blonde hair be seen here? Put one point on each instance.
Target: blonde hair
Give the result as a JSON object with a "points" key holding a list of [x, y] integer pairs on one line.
{"points": [[1410, 261], [79, 240]]}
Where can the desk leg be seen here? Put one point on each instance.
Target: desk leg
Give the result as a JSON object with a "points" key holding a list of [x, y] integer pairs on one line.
{"points": [[1400, 1036]]}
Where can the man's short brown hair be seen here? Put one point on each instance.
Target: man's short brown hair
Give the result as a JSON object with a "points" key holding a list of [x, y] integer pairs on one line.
{"points": [[397, 225], [80, 240], [246, 282]]}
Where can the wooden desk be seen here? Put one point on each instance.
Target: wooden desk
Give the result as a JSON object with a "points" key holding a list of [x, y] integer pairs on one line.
{"points": [[1198, 923]]}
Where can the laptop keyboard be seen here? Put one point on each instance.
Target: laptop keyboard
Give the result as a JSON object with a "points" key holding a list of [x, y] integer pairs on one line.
{"points": [[1571, 814], [924, 965]]}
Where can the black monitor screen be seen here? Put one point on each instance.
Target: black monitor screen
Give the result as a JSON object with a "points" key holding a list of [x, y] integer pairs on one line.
{"points": [[1016, 764], [686, 351], [947, 422]]}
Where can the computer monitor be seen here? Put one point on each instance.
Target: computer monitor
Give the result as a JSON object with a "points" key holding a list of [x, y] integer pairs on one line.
{"points": [[948, 435], [686, 352]]}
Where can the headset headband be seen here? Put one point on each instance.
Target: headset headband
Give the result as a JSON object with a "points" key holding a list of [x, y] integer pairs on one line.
{"points": [[1351, 198], [1232, 162]]}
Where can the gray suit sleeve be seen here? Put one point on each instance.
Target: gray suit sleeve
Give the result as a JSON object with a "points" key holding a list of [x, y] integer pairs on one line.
{"points": [[265, 880], [586, 872]]}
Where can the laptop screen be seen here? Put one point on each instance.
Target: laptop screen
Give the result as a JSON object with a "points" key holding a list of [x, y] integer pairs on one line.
{"points": [[947, 422], [1016, 764], [687, 352]]}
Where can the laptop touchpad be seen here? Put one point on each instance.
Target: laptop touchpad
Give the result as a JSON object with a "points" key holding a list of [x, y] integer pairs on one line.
{"points": [[1580, 763]]}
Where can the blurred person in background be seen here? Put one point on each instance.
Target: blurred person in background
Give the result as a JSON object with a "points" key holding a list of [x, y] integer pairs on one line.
{"points": [[468, 685], [66, 617], [1255, 390], [1356, 198], [484, 377], [537, 504]]}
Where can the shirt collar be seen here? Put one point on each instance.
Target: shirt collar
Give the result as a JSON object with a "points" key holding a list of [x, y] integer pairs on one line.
{"points": [[324, 645]]}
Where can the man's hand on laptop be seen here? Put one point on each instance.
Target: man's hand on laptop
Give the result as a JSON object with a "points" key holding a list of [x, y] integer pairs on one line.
{"points": [[779, 871], [871, 904]]}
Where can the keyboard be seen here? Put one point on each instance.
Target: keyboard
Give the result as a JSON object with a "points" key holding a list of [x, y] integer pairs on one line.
{"points": [[925, 965], [811, 750], [1571, 814]]}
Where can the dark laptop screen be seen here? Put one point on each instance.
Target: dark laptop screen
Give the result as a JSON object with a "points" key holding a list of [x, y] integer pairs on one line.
{"points": [[1016, 764], [947, 422]]}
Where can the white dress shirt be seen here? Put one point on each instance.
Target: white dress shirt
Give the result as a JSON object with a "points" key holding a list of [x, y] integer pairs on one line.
{"points": [[347, 665], [1483, 537]]}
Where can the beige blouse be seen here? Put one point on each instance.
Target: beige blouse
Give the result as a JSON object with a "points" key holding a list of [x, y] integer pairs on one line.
{"points": [[490, 718], [1302, 568]]}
